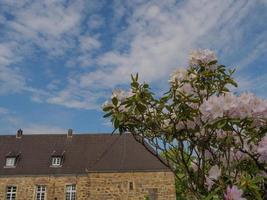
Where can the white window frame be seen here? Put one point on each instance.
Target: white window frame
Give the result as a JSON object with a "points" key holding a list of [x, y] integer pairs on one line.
{"points": [[56, 161], [71, 192], [10, 162], [11, 195], [40, 192]]}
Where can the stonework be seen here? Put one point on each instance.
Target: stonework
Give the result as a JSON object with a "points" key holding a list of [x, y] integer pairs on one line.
{"points": [[96, 186]]}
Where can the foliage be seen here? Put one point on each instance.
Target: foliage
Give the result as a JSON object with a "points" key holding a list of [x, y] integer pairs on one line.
{"points": [[214, 141]]}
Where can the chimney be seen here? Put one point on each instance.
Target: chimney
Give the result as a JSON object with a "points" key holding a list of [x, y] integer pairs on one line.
{"points": [[19, 133], [70, 132]]}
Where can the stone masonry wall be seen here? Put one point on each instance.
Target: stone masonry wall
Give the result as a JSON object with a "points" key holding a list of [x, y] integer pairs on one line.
{"points": [[109, 186], [55, 186], [96, 186]]}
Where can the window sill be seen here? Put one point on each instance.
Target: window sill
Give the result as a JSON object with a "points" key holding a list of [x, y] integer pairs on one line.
{"points": [[9, 167], [55, 166]]}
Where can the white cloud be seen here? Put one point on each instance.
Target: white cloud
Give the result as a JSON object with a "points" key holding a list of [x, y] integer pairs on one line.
{"points": [[3, 111], [51, 26], [158, 38], [95, 21], [11, 79], [161, 36], [75, 97], [43, 129], [248, 83], [88, 43], [10, 122], [151, 38]]}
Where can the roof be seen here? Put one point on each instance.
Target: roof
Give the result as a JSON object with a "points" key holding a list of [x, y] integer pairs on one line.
{"points": [[82, 153]]}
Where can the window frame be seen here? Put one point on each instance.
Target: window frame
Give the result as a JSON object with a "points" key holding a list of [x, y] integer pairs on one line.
{"points": [[54, 160], [11, 193], [40, 192], [71, 191], [11, 164]]}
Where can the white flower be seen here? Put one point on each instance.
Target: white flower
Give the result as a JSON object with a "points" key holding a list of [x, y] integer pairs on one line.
{"points": [[233, 193], [246, 105], [230, 102], [119, 94], [178, 75], [186, 88], [214, 174], [212, 108], [198, 57]]}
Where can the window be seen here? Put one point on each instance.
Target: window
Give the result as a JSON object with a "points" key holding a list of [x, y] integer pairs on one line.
{"points": [[11, 192], [131, 186], [70, 192], [56, 161], [40, 192], [10, 161]]}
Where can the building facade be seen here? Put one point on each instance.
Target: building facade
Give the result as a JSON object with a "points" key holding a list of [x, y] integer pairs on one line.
{"points": [[83, 167]]}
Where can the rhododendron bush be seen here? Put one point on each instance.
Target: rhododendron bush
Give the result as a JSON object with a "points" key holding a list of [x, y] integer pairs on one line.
{"points": [[214, 141]]}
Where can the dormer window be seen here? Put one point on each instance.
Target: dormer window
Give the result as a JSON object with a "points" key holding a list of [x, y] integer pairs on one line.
{"points": [[56, 161], [10, 161], [57, 158]]}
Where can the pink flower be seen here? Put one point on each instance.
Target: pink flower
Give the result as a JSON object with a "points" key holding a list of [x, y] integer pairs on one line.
{"points": [[233, 193]]}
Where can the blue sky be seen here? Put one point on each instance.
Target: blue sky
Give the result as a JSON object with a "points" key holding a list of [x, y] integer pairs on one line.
{"points": [[60, 59]]}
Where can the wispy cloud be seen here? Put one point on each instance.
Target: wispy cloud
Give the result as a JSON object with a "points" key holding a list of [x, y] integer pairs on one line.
{"points": [[11, 79], [160, 34], [99, 50], [43, 129]]}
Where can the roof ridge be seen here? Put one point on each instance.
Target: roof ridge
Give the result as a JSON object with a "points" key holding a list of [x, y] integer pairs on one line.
{"points": [[63, 134]]}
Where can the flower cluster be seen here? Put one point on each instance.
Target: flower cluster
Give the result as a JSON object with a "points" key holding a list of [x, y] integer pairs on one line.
{"points": [[246, 105], [211, 135], [178, 76], [200, 57], [182, 78], [120, 96], [233, 193]]}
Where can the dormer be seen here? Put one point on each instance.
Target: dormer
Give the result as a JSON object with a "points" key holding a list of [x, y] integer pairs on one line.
{"points": [[57, 159], [11, 160]]}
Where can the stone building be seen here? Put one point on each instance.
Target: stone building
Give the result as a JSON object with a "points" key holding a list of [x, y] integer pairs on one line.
{"points": [[82, 166]]}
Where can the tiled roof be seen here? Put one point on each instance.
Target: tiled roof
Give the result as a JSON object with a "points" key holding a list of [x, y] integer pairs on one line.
{"points": [[82, 153]]}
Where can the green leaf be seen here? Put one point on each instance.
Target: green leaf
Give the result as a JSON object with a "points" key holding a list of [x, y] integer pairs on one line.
{"points": [[107, 108], [141, 108], [115, 101], [221, 124], [135, 84], [212, 62], [108, 114], [116, 124], [146, 86], [232, 82]]}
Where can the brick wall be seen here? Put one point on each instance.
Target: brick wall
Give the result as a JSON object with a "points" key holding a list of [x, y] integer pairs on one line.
{"points": [[97, 186]]}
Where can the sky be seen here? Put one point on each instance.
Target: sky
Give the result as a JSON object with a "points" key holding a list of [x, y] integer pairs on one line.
{"points": [[61, 59]]}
